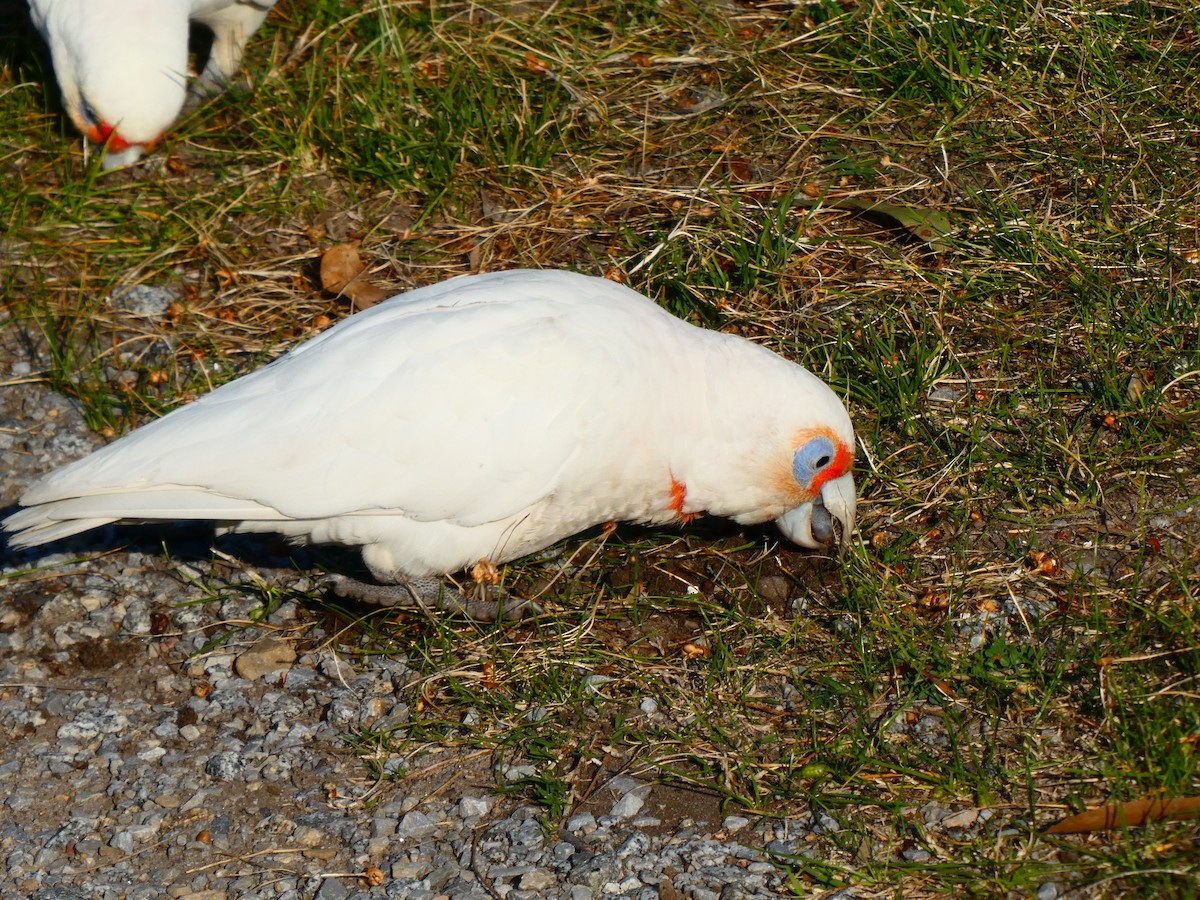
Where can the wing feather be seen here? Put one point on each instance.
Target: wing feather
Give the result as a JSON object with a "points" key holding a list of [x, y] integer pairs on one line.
{"points": [[452, 403]]}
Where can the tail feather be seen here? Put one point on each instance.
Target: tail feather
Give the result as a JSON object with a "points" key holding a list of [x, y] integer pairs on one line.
{"points": [[54, 519], [46, 531]]}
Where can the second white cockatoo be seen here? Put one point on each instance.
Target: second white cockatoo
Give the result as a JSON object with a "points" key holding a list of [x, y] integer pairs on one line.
{"points": [[122, 64], [479, 419]]}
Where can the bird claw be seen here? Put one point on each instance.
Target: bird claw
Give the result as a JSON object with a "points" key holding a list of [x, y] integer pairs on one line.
{"points": [[430, 594]]}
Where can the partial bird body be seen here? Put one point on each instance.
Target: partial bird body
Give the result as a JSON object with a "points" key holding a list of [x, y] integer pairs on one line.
{"points": [[482, 418], [122, 64]]}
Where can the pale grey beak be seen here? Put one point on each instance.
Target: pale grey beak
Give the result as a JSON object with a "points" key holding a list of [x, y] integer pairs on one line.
{"points": [[126, 157], [811, 525]]}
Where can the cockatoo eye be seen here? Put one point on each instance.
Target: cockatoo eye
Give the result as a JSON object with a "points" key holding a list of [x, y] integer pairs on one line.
{"points": [[88, 114], [813, 458]]}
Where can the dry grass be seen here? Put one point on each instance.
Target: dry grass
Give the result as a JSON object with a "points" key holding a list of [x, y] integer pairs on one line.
{"points": [[1016, 628]]}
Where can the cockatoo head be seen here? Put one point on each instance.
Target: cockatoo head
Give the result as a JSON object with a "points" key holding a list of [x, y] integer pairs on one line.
{"points": [[808, 454], [782, 448], [121, 66], [821, 464]]}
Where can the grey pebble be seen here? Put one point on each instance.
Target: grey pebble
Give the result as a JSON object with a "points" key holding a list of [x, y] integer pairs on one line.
{"points": [[336, 669], [416, 825], [537, 880], [143, 299], [93, 723], [628, 806], [518, 772], [583, 822], [122, 841], [943, 394], [332, 889], [469, 807], [226, 766]]}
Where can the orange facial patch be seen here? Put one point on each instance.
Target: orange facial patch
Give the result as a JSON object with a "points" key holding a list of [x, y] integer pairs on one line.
{"points": [[843, 461], [105, 135]]}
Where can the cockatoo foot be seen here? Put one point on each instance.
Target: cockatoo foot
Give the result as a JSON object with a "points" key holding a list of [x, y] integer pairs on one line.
{"points": [[431, 593]]}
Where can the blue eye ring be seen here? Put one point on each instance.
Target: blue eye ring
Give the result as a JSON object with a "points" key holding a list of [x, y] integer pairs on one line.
{"points": [[812, 458], [88, 113]]}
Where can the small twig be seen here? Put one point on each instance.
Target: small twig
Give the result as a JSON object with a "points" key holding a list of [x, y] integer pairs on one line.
{"points": [[1143, 657], [245, 857]]}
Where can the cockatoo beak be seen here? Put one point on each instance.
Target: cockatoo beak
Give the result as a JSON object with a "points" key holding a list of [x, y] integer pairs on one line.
{"points": [[811, 525], [120, 152], [126, 157]]}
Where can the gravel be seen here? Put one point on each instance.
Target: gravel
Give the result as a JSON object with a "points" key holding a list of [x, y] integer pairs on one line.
{"points": [[138, 761]]}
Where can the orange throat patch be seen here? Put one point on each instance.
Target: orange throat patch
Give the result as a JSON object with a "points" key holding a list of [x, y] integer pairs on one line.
{"points": [[678, 496]]}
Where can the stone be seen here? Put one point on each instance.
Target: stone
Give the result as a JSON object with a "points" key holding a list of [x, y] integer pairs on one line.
{"points": [[332, 889], [775, 589], [123, 841], [628, 806], [308, 836], [473, 806], [225, 766], [735, 823], [267, 655], [336, 669], [146, 300], [91, 724], [537, 880], [583, 822], [964, 819], [416, 825]]}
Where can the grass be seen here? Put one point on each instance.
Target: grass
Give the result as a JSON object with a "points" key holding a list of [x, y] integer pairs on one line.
{"points": [[1016, 627]]}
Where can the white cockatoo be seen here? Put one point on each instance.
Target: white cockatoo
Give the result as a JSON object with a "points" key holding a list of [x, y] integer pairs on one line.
{"points": [[122, 64], [479, 420]]}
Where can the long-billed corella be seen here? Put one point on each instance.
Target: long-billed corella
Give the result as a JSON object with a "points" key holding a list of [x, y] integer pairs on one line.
{"points": [[122, 64], [478, 420]]}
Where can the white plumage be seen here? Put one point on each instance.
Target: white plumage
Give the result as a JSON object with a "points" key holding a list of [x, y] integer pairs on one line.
{"points": [[481, 418], [122, 64]]}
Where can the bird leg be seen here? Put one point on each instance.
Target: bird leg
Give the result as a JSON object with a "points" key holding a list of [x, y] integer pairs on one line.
{"points": [[431, 593]]}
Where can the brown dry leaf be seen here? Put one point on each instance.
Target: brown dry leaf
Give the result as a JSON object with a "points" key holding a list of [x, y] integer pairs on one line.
{"points": [[535, 65], [738, 167], [1042, 563], [1128, 815], [341, 268]]}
